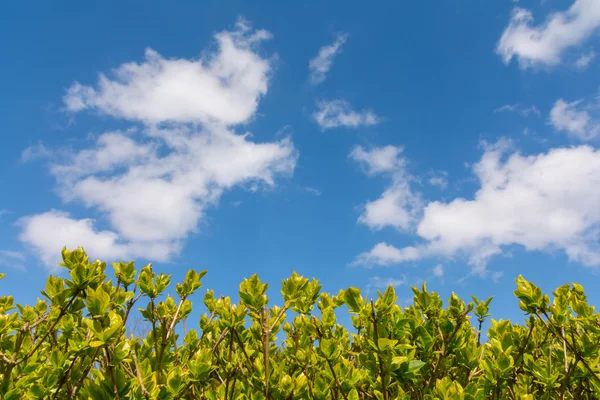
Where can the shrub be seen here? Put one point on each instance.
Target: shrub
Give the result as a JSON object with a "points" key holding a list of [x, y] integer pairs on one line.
{"points": [[74, 344]]}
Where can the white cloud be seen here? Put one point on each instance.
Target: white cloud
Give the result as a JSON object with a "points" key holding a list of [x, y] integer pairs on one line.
{"points": [[383, 254], [521, 110], [222, 87], [545, 202], [439, 179], [585, 60], [155, 184], [544, 44], [438, 271], [399, 205], [379, 159], [35, 152], [574, 119], [111, 151], [378, 282], [321, 64], [154, 190], [49, 232], [338, 113]]}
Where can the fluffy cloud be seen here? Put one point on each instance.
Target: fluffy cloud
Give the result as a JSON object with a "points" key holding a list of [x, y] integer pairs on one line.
{"points": [[399, 205], [544, 202], [224, 87], [154, 184], [383, 254], [153, 189], [339, 113], [380, 159], [574, 119], [544, 44], [49, 232], [321, 64]]}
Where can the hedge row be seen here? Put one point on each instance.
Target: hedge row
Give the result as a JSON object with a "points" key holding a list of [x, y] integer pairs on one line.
{"points": [[74, 343]]}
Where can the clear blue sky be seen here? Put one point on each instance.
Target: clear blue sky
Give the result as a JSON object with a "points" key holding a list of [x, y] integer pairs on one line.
{"points": [[361, 144]]}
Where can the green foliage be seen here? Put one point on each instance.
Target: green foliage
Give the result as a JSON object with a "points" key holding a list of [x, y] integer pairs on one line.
{"points": [[74, 344]]}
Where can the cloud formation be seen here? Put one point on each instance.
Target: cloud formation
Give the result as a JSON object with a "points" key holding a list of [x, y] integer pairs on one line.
{"points": [[521, 110], [323, 61], [574, 119], [154, 184], [222, 87], [339, 113], [399, 205], [545, 44], [585, 60], [543, 202], [383, 254]]}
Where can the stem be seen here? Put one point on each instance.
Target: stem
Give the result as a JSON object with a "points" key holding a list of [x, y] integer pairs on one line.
{"points": [[565, 351], [139, 377], [172, 327], [335, 379], [86, 372], [243, 350], [62, 313], [571, 347], [380, 360], [111, 371], [158, 370], [64, 377], [229, 362], [266, 333]]}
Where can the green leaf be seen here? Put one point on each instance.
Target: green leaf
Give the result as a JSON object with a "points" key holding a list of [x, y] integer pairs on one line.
{"points": [[353, 299], [415, 365]]}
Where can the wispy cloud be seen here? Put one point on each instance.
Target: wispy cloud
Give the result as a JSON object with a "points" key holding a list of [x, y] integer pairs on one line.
{"points": [[339, 113], [37, 151], [585, 60], [545, 44], [439, 179], [323, 61], [12, 259], [312, 190], [523, 111], [575, 119]]}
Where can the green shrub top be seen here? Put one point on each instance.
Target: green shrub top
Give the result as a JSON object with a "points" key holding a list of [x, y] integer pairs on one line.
{"points": [[74, 343]]}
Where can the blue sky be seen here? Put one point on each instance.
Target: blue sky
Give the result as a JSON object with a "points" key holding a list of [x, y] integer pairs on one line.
{"points": [[359, 144]]}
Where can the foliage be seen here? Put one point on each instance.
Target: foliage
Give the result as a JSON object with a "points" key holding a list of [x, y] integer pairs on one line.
{"points": [[74, 343]]}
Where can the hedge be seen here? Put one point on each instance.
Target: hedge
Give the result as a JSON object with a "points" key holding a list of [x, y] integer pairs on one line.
{"points": [[74, 344]]}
